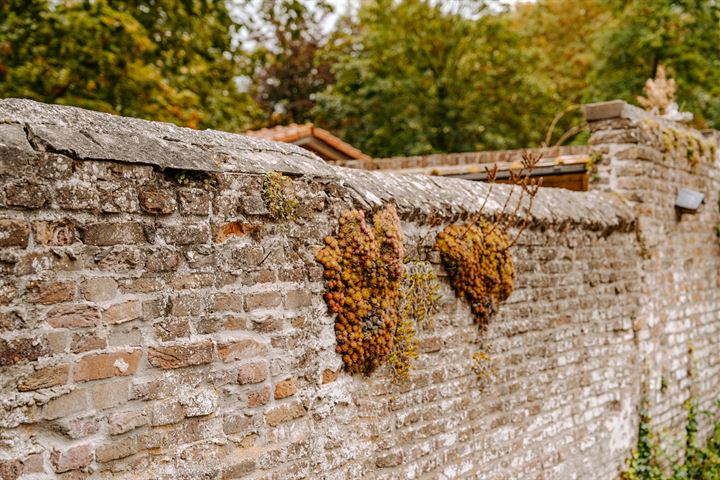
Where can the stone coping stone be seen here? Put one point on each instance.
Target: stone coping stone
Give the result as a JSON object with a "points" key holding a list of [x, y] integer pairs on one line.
{"points": [[31, 126]]}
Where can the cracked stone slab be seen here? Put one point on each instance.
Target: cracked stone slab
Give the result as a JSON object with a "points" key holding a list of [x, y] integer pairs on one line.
{"points": [[13, 135], [88, 135]]}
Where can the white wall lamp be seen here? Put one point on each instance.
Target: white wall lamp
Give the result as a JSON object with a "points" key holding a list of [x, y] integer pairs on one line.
{"points": [[689, 201]]}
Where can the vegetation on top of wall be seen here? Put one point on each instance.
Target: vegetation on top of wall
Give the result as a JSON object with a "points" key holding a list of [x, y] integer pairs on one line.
{"points": [[680, 143], [364, 269], [192, 177], [278, 195], [591, 167]]}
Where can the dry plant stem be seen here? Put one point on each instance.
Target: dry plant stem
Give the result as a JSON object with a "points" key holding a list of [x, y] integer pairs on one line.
{"points": [[556, 119], [525, 217], [491, 176], [569, 133], [528, 187]]}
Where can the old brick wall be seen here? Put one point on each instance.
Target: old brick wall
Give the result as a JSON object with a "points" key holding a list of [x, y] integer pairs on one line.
{"points": [[648, 161], [153, 329]]}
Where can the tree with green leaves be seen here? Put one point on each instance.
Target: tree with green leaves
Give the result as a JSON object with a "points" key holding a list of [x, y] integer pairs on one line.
{"points": [[284, 67], [567, 31], [162, 60], [412, 77], [683, 35]]}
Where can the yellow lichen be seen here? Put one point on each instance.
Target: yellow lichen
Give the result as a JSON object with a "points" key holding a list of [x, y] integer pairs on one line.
{"points": [[483, 366], [678, 143], [278, 195], [419, 301]]}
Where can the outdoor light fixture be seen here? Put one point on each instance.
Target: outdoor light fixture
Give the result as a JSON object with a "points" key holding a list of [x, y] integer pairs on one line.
{"points": [[689, 201]]}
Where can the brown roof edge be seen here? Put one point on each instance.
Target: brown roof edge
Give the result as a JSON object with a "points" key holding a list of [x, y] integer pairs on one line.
{"points": [[295, 132], [338, 144]]}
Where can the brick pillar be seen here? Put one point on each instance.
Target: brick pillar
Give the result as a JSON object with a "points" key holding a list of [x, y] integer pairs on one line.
{"points": [[647, 160]]}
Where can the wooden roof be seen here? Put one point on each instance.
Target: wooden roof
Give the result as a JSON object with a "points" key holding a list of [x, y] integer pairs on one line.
{"points": [[562, 171]]}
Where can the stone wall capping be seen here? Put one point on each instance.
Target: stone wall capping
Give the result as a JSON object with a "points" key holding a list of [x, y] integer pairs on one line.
{"points": [[86, 135]]}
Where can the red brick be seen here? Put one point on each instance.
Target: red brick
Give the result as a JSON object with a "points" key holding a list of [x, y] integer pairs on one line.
{"points": [[87, 342], [106, 365], [268, 324], [163, 260], [221, 232], [185, 234], [157, 201], [259, 397], [187, 305], [25, 194], [123, 312], [179, 356], [109, 394], [239, 468], [171, 329], [68, 404], [55, 233], [392, 459], [298, 299], [241, 349], [33, 464], [126, 446], [285, 388], [252, 373], [226, 302], [108, 234], [77, 197], [19, 350], [71, 459], [73, 316], [255, 301], [99, 289], [166, 412], [236, 423], [79, 427], [49, 293], [45, 378], [194, 280], [14, 233], [194, 201], [121, 422], [284, 413]]}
